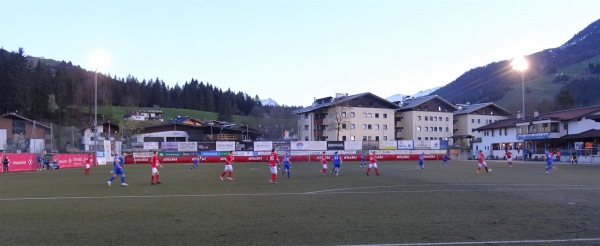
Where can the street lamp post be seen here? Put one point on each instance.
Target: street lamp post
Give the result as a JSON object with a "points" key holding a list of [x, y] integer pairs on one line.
{"points": [[520, 64], [96, 117]]}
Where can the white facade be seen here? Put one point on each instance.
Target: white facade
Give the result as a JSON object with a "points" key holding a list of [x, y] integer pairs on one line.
{"points": [[504, 138]]}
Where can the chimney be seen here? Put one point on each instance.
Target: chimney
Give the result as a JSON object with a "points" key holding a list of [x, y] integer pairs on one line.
{"points": [[536, 114]]}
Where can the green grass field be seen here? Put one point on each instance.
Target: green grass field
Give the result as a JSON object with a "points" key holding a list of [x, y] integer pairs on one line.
{"points": [[440, 206]]}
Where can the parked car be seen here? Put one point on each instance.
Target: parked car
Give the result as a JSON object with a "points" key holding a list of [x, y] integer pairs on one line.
{"points": [[49, 164]]}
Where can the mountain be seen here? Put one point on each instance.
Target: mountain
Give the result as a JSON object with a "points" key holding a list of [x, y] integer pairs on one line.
{"points": [[569, 65], [268, 102], [400, 97]]}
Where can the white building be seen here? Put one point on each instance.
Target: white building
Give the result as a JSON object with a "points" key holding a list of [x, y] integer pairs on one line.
{"points": [[469, 117], [359, 117], [424, 118], [144, 115]]}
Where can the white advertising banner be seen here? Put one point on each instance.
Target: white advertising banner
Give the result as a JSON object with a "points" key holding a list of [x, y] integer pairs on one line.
{"points": [[298, 145], [150, 145], [107, 150], [435, 144], [388, 145], [263, 146], [405, 144], [225, 146], [187, 146], [353, 145], [423, 144]]}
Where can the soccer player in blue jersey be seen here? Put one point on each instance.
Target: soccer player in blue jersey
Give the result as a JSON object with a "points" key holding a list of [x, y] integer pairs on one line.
{"points": [[286, 164], [363, 160], [445, 159], [421, 161], [337, 163], [118, 162], [196, 161], [549, 161]]}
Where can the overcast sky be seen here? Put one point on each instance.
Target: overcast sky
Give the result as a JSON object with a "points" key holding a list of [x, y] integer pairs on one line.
{"points": [[293, 51]]}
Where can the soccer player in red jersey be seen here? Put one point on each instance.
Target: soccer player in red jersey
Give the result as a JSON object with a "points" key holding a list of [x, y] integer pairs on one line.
{"points": [[373, 164], [88, 163], [155, 169], [481, 162], [273, 161], [228, 167], [324, 163], [509, 158]]}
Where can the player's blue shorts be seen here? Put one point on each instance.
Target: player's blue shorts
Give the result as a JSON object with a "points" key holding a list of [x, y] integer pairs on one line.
{"points": [[286, 166], [548, 164], [420, 162], [336, 165], [118, 171]]}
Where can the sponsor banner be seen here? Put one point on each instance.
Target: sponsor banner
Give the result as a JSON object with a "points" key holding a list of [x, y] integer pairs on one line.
{"points": [[282, 146], [100, 157], [187, 146], [169, 146], [444, 144], [263, 146], [19, 162], [543, 135], [71, 160], [225, 146], [150, 145], [210, 153], [309, 145], [142, 154], [107, 149], [244, 146], [207, 146], [370, 145], [263, 158], [405, 144], [165, 154], [422, 144], [435, 144], [296, 153], [388, 145], [353, 145], [335, 145], [244, 153]]}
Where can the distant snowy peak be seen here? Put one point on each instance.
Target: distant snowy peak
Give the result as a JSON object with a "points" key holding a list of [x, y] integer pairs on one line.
{"points": [[269, 102], [400, 97]]}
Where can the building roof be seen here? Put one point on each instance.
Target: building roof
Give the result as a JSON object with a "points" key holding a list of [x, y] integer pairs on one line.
{"points": [[330, 101], [15, 115], [500, 124], [469, 108], [570, 114], [593, 133], [414, 102]]}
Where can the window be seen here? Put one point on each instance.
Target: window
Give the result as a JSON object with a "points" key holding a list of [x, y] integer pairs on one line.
{"points": [[369, 127], [472, 120], [343, 138], [447, 119], [364, 115], [376, 126], [418, 128], [364, 126], [384, 127], [440, 118], [352, 138], [439, 108], [306, 127], [385, 116], [343, 114], [418, 138], [306, 116], [426, 118], [418, 118], [305, 138], [376, 138], [343, 126], [554, 127], [18, 127], [426, 138], [478, 121], [364, 138], [376, 115], [385, 138], [426, 128], [352, 115], [447, 129], [369, 115], [352, 126], [440, 129]]}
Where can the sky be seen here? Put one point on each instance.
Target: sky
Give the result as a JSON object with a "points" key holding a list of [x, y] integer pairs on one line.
{"points": [[290, 50]]}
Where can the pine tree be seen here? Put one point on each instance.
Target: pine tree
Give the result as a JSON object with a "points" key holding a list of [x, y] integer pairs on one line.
{"points": [[564, 99]]}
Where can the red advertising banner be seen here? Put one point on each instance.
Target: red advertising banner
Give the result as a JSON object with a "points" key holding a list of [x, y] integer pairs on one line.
{"points": [[19, 162], [70, 160], [217, 159]]}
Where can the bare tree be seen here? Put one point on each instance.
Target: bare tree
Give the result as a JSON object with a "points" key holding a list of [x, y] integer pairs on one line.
{"points": [[338, 118]]}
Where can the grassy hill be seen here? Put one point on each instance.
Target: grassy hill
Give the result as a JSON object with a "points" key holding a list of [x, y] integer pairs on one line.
{"points": [[540, 88]]}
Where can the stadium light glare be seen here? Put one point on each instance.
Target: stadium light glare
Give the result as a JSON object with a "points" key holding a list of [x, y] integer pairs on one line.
{"points": [[519, 63], [99, 61]]}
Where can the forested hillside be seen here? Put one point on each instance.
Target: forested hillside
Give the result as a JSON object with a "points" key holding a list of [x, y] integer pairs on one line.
{"points": [[59, 92]]}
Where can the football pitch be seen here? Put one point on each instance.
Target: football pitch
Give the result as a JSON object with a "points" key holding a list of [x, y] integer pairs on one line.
{"points": [[443, 205]]}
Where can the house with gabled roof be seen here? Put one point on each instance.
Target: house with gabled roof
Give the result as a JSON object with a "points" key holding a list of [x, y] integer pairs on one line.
{"points": [[36, 135], [359, 117], [424, 118], [469, 117]]}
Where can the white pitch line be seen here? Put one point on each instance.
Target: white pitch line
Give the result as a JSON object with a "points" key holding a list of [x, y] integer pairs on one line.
{"points": [[488, 242], [282, 194]]}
